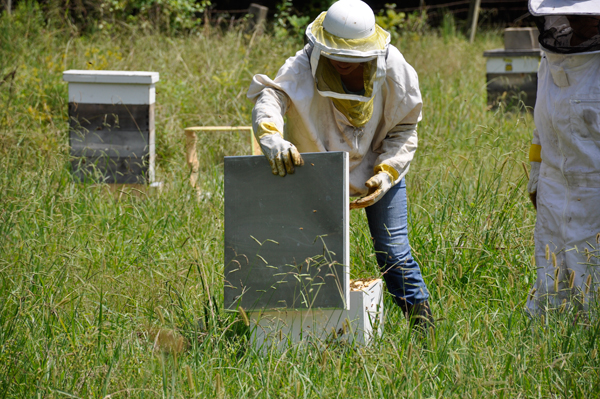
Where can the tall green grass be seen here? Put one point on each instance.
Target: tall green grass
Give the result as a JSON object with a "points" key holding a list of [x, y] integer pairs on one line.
{"points": [[88, 275]]}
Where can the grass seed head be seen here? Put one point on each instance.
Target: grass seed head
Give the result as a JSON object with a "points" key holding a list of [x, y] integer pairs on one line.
{"points": [[563, 306], [554, 263], [160, 315], [547, 252], [244, 316], [504, 162], [190, 377], [532, 294], [324, 358], [457, 369], [431, 336], [588, 283], [587, 253], [348, 326], [572, 279], [526, 171], [219, 385]]}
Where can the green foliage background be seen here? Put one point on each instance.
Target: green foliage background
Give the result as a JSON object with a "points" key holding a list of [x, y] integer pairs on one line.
{"points": [[89, 273]]}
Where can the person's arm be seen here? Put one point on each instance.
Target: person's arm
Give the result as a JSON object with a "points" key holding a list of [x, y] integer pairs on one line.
{"points": [[267, 123], [397, 149], [535, 160], [271, 105]]}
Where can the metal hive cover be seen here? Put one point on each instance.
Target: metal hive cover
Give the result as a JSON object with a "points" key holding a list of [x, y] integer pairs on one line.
{"points": [[286, 239]]}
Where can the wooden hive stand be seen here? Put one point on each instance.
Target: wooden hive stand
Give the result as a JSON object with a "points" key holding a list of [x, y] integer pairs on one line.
{"points": [[191, 141]]}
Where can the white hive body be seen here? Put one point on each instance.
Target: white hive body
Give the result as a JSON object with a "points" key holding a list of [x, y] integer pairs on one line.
{"points": [[111, 118], [350, 19], [360, 324], [511, 72]]}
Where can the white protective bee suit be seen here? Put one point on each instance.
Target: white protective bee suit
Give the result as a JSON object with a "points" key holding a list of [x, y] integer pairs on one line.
{"points": [[565, 159], [376, 125], [388, 139]]}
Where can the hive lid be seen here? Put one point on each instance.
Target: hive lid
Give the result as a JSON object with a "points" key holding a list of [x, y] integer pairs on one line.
{"points": [[500, 52], [123, 77], [287, 239]]}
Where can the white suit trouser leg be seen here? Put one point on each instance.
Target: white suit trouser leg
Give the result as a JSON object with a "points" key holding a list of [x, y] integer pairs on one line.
{"points": [[569, 230]]}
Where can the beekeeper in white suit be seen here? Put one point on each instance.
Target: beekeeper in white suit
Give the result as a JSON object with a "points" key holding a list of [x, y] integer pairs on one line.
{"points": [[350, 90], [564, 181]]}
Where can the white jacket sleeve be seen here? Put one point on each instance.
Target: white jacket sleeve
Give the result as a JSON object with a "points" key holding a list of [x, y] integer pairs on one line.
{"points": [[271, 105], [398, 150], [403, 110]]}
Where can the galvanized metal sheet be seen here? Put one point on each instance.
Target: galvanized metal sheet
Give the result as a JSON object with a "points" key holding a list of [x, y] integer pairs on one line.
{"points": [[112, 143], [286, 239]]}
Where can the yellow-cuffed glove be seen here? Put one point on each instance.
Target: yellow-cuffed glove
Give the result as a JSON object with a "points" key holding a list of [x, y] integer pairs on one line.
{"points": [[535, 160], [282, 154], [378, 185]]}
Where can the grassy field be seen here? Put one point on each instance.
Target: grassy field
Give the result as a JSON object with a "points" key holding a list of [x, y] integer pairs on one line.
{"points": [[88, 275]]}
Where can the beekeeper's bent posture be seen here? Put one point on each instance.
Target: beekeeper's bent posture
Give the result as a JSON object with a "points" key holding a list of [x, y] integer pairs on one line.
{"points": [[350, 90], [565, 155]]}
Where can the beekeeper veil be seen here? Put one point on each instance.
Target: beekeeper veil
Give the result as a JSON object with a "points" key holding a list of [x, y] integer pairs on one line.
{"points": [[347, 32], [568, 26]]}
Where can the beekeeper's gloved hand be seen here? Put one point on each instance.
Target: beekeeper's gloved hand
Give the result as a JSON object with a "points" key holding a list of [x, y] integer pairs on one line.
{"points": [[534, 175], [378, 185], [535, 160], [282, 154]]}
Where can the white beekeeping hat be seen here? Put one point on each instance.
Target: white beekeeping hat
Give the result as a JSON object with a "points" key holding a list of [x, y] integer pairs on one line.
{"points": [[347, 32]]}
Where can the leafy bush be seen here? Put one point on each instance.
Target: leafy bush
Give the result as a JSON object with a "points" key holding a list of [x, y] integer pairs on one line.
{"points": [[169, 16], [391, 20], [287, 21], [398, 23]]}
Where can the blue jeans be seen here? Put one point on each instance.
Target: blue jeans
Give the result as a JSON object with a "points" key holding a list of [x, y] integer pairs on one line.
{"points": [[389, 230]]}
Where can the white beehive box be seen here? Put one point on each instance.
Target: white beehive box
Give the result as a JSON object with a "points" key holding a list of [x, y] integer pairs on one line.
{"points": [[360, 324], [111, 118], [511, 72]]}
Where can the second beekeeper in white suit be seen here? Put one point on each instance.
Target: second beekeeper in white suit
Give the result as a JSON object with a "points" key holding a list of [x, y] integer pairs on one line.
{"points": [[565, 156]]}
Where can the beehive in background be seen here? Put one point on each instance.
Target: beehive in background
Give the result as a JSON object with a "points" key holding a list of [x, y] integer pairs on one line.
{"points": [[511, 72], [111, 119]]}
